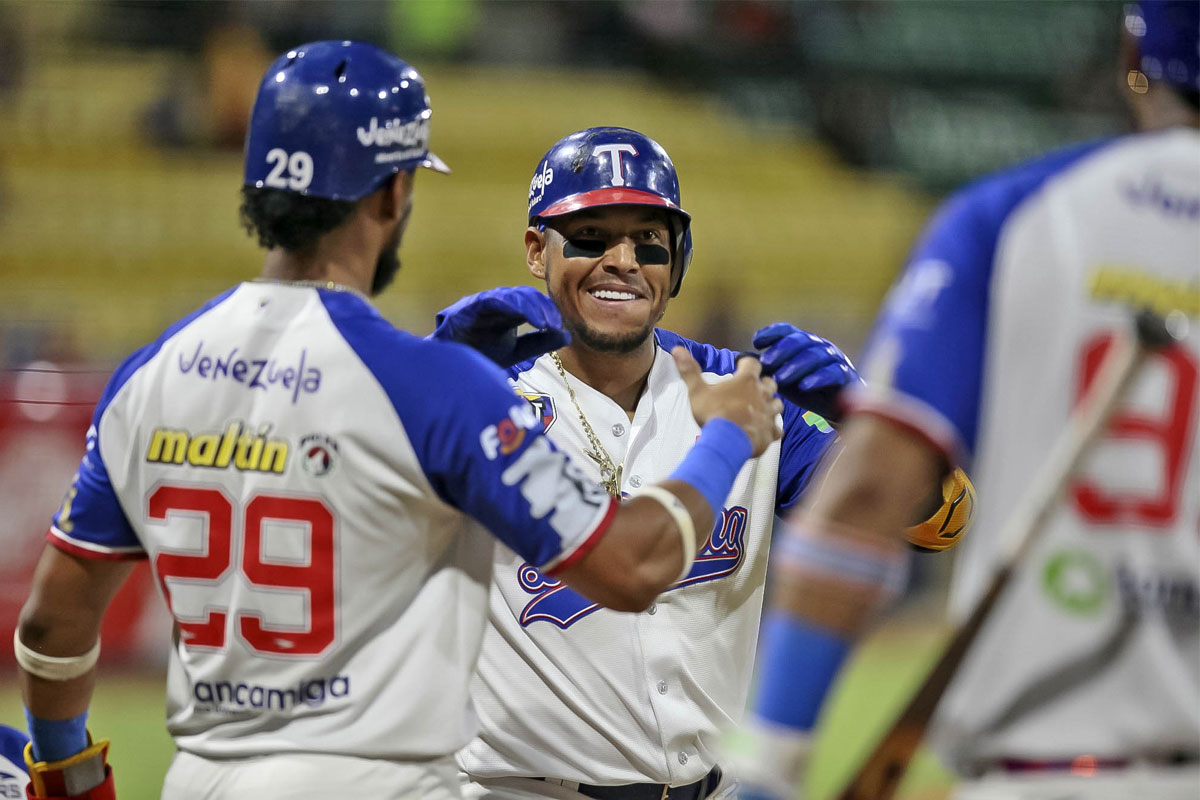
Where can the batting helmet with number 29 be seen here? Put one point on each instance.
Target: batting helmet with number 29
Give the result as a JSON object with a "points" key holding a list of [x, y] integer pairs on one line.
{"points": [[336, 120]]}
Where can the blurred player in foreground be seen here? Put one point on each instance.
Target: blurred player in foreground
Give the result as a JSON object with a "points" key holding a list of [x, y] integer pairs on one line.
{"points": [[13, 776], [574, 700], [1085, 683], [308, 481]]}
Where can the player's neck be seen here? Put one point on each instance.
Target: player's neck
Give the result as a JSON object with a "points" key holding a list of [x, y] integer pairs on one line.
{"points": [[281, 265], [346, 255], [1160, 109], [620, 376]]}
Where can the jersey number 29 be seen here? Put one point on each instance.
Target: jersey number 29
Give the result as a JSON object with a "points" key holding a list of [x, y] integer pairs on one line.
{"points": [[216, 559], [1168, 429]]}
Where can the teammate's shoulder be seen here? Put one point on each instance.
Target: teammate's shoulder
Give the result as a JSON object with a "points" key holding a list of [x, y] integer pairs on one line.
{"points": [[999, 192], [396, 356], [144, 354], [712, 359]]}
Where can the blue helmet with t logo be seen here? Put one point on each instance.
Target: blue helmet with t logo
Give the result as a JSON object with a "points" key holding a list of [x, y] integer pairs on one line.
{"points": [[609, 167]]}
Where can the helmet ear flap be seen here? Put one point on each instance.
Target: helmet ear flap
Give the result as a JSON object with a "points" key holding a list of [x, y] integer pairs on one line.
{"points": [[681, 236]]}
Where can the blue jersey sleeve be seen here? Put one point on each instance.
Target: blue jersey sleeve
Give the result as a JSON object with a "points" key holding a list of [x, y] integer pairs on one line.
{"points": [[91, 521], [924, 360], [481, 445], [807, 437]]}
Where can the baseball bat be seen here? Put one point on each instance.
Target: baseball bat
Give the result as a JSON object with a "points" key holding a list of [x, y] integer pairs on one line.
{"points": [[881, 773]]}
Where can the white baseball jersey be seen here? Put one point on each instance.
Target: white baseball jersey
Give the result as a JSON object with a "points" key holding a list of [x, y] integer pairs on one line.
{"points": [[569, 690], [1010, 302], [302, 478], [13, 776]]}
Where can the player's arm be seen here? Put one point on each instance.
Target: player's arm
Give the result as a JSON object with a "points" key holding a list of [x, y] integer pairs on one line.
{"points": [[57, 642], [653, 537], [89, 555], [878, 484], [845, 553], [485, 453]]}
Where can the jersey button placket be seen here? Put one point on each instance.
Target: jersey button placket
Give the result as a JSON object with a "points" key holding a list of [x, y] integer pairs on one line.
{"points": [[662, 687]]}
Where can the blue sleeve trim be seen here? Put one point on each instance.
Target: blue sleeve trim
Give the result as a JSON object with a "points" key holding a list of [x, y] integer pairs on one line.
{"points": [[139, 357], [95, 512], [714, 360], [447, 397], [938, 310], [807, 437]]}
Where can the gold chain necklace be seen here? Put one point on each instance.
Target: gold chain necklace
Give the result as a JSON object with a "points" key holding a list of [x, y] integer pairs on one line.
{"points": [[330, 285], [610, 473]]}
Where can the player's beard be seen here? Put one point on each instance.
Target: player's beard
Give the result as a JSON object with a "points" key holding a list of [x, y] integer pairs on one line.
{"points": [[388, 263], [600, 341], [386, 267]]}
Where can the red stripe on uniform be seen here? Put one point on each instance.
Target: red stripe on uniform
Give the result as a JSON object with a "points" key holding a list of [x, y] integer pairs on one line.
{"points": [[592, 539], [67, 546]]}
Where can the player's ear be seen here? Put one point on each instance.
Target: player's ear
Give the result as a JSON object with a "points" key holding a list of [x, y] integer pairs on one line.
{"points": [[535, 252], [395, 195]]}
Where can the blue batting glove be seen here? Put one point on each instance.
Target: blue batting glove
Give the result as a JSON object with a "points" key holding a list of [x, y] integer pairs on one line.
{"points": [[811, 371], [488, 322]]}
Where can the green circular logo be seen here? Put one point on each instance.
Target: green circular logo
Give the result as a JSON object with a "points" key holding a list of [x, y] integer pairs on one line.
{"points": [[1076, 581]]}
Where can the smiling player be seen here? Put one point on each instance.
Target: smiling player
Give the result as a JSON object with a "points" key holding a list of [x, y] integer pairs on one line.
{"points": [[311, 486], [575, 700]]}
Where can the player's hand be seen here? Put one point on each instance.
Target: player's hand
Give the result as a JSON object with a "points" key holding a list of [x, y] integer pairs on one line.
{"points": [[488, 322], [811, 371], [745, 398]]}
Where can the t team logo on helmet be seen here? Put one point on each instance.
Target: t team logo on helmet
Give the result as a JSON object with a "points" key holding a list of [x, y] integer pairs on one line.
{"points": [[614, 156]]}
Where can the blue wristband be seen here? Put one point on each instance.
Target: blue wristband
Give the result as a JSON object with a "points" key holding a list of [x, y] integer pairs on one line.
{"points": [[713, 463], [799, 664], [56, 739]]}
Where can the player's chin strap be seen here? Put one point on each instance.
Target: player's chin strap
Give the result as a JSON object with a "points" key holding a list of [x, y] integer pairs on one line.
{"points": [[84, 776]]}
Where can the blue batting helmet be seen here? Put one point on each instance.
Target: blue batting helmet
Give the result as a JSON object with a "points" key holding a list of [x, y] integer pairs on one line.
{"points": [[1168, 37], [610, 167], [336, 119]]}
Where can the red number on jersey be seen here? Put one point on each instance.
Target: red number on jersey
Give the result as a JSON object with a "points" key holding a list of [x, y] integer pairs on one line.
{"points": [[214, 560], [1169, 431], [209, 565]]}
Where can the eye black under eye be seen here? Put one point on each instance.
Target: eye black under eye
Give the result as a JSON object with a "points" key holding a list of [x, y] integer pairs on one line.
{"points": [[580, 247], [652, 254]]}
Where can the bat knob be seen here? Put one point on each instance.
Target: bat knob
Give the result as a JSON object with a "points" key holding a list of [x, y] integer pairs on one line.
{"points": [[1156, 331]]}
